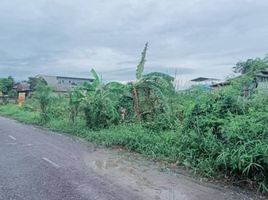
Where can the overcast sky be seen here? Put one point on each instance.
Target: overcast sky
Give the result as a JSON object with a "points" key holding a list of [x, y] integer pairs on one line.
{"points": [[69, 37]]}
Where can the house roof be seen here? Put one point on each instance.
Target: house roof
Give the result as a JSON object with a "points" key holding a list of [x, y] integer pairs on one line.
{"points": [[76, 78], [22, 87], [200, 79], [263, 73], [224, 83]]}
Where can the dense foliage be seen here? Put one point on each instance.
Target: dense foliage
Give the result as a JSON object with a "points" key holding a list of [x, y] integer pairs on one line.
{"points": [[227, 134], [34, 81], [43, 97], [250, 66], [6, 85], [100, 105]]}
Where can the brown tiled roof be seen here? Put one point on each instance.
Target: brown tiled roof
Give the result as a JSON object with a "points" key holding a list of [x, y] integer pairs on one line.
{"points": [[22, 87]]}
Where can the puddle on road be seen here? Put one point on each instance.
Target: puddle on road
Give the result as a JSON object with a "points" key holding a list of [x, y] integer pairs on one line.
{"points": [[144, 178]]}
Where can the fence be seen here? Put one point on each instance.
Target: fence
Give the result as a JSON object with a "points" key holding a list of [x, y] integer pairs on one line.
{"points": [[6, 99]]}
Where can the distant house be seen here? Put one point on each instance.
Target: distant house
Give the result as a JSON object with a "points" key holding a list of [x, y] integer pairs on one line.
{"points": [[63, 84], [217, 86], [262, 79], [22, 87], [204, 82]]}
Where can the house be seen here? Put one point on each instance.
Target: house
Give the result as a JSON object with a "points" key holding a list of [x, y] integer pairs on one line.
{"points": [[217, 86], [22, 87], [63, 84], [262, 76], [204, 82], [262, 79]]}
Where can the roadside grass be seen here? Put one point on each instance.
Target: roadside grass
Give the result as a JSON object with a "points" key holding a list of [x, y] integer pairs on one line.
{"points": [[133, 137], [18, 113], [77, 128]]}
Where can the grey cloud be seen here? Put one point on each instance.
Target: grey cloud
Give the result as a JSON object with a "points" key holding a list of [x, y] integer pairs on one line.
{"points": [[65, 37], [127, 62]]}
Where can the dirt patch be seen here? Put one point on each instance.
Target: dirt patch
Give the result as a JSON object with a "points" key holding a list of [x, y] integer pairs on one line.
{"points": [[146, 179]]}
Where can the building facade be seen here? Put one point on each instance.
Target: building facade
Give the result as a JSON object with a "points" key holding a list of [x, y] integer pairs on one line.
{"points": [[64, 84]]}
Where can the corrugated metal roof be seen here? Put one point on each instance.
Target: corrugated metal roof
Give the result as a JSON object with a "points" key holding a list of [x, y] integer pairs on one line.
{"points": [[264, 71], [200, 79]]}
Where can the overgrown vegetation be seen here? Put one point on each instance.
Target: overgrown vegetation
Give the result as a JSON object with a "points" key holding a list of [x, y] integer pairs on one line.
{"points": [[221, 133], [43, 97], [6, 85], [6, 89]]}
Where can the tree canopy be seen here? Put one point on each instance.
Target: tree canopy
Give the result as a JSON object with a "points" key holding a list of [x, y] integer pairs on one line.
{"points": [[251, 66], [6, 84]]}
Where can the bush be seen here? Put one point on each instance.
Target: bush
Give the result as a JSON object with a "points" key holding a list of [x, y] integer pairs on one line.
{"points": [[134, 137], [57, 108], [12, 94], [100, 114], [43, 95], [19, 113], [226, 133]]}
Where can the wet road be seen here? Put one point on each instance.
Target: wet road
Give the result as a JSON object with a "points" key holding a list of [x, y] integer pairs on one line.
{"points": [[37, 164]]}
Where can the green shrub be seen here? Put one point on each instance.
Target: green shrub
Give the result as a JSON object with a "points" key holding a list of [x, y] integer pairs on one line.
{"points": [[101, 113], [19, 113], [43, 95], [225, 133], [134, 137], [12, 94]]}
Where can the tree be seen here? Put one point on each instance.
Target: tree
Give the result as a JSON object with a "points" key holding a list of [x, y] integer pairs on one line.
{"points": [[75, 99], [6, 84], [100, 102], [43, 95], [12, 93], [251, 66], [152, 87], [247, 82], [34, 81]]}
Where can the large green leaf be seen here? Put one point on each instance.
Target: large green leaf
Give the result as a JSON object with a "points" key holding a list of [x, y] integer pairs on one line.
{"points": [[140, 67], [165, 82], [97, 80], [160, 74]]}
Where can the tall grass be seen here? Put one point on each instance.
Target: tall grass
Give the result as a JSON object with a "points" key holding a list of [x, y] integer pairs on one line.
{"points": [[131, 136], [19, 113]]}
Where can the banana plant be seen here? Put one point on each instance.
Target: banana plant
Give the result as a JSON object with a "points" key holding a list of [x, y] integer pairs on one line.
{"points": [[75, 99], [100, 102], [157, 84]]}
